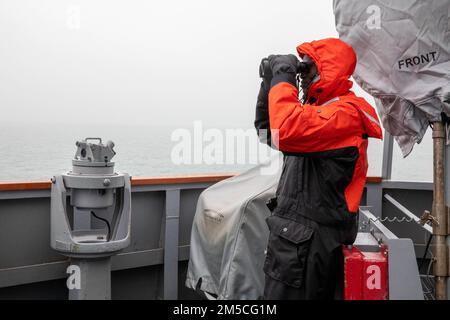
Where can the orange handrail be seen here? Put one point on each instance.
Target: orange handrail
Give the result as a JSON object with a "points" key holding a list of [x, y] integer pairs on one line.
{"points": [[138, 181], [374, 180], [145, 181], [135, 181]]}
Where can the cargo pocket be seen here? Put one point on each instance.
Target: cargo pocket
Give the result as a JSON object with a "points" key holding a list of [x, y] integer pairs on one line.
{"points": [[287, 250]]}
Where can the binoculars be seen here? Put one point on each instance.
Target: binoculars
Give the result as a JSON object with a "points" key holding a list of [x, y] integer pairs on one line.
{"points": [[266, 72]]}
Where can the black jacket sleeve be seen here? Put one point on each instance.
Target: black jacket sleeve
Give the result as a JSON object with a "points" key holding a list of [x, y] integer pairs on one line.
{"points": [[262, 123]]}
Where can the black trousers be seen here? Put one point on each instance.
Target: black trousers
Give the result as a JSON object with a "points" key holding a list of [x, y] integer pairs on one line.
{"points": [[304, 260]]}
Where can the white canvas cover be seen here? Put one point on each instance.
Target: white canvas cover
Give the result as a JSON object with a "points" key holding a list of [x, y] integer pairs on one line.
{"points": [[230, 234], [403, 50]]}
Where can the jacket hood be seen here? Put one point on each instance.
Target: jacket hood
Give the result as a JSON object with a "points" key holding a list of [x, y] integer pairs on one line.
{"points": [[335, 61]]}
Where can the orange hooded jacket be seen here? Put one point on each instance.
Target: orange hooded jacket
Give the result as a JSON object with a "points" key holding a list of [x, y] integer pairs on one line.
{"points": [[328, 137]]}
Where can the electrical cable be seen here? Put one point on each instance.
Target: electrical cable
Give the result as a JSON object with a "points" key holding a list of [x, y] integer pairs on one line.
{"points": [[426, 251], [429, 276], [107, 224]]}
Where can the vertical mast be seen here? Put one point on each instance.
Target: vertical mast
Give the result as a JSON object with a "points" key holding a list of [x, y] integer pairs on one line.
{"points": [[439, 212]]}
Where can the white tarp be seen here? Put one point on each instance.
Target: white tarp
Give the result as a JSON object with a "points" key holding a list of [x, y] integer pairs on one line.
{"points": [[403, 50], [229, 234]]}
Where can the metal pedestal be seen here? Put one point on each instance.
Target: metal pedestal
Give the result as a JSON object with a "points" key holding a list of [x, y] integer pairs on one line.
{"points": [[95, 279]]}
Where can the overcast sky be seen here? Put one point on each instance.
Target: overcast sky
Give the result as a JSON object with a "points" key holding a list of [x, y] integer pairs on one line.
{"points": [[145, 62]]}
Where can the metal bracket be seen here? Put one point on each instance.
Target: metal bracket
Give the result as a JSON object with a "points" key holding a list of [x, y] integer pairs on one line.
{"points": [[427, 217]]}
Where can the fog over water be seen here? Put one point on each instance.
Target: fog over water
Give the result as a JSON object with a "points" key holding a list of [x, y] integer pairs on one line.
{"points": [[134, 71]]}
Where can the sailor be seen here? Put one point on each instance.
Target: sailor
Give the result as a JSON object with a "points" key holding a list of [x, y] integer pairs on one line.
{"points": [[324, 138]]}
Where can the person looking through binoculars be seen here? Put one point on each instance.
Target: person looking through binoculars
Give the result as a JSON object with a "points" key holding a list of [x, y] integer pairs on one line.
{"points": [[323, 136]]}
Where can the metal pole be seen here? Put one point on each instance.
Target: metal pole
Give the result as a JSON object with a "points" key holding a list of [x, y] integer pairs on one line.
{"points": [[388, 146], [447, 199], [171, 244], [439, 212], [95, 279]]}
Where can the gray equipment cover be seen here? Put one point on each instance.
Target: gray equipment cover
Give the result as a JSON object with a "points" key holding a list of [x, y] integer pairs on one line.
{"points": [[403, 50], [230, 234]]}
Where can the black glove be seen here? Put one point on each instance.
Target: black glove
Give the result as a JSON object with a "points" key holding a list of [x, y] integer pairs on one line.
{"points": [[283, 64], [265, 72], [284, 68], [281, 68]]}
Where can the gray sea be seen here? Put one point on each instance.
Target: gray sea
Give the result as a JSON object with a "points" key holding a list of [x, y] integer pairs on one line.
{"points": [[38, 151]]}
